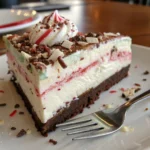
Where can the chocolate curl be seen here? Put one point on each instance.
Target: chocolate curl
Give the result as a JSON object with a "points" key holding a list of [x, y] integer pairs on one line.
{"points": [[53, 141], [21, 133], [61, 62], [47, 49]]}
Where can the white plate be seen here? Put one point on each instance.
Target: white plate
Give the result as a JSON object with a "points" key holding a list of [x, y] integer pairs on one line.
{"points": [[137, 117], [8, 16]]}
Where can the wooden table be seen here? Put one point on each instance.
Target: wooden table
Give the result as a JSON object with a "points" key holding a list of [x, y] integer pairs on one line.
{"points": [[100, 16]]}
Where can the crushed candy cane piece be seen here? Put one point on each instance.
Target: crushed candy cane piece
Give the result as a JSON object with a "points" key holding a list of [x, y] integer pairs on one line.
{"points": [[122, 89], [112, 91], [13, 113]]}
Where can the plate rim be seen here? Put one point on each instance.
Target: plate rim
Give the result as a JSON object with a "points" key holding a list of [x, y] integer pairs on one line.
{"points": [[141, 46], [36, 19]]}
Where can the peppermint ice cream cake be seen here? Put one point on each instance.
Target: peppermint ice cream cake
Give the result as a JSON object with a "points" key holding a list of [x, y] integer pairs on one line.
{"points": [[59, 71]]}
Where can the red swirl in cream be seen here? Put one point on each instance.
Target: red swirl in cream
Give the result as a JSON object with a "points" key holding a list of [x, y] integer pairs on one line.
{"points": [[54, 29]]}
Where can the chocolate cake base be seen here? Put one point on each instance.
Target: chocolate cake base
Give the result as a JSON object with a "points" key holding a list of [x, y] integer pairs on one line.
{"points": [[76, 106]]}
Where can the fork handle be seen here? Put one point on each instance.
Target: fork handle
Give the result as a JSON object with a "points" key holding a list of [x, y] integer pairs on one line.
{"points": [[137, 99]]}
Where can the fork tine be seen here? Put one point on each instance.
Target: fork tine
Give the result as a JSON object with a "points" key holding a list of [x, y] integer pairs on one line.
{"points": [[73, 122], [96, 134], [85, 130], [79, 126], [83, 137]]}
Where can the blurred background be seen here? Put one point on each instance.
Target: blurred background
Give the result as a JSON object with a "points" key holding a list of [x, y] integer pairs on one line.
{"points": [[10, 3], [129, 17]]}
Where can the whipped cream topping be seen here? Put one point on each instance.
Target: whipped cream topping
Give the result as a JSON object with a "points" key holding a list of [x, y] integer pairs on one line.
{"points": [[53, 29]]}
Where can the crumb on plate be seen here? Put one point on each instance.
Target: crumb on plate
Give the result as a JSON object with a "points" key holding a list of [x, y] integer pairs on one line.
{"points": [[130, 92], [53, 141], [2, 122], [108, 106], [16, 106], [146, 72], [13, 128], [28, 131], [144, 79], [3, 104], [21, 133], [127, 129]]}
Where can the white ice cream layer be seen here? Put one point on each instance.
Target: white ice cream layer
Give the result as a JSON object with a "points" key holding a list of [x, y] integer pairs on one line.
{"points": [[47, 104]]}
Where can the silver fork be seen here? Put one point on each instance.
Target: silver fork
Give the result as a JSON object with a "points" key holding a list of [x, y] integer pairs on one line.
{"points": [[101, 123]]}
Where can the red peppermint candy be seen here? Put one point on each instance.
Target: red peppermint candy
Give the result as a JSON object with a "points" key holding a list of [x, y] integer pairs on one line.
{"points": [[112, 91], [13, 113], [43, 36]]}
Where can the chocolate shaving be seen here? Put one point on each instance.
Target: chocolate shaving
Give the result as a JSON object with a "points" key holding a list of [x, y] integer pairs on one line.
{"points": [[3, 104], [47, 49], [146, 72], [61, 62], [81, 58], [45, 134], [136, 84], [21, 113], [13, 128], [29, 67], [21, 133], [88, 106], [8, 72], [114, 49], [104, 105], [123, 96], [78, 38], [53, 141], [17, 106], [127, 99], [90, 34], [138, 89]]}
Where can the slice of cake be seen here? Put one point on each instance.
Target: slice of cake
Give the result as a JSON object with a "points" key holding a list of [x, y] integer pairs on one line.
{"points": [[59, 71]]}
